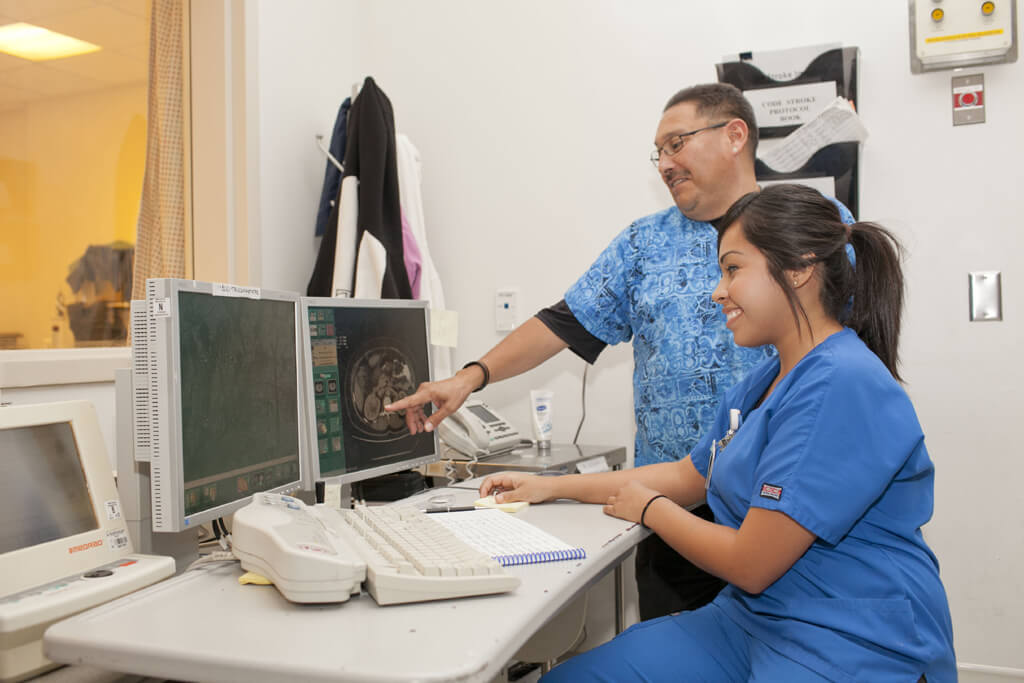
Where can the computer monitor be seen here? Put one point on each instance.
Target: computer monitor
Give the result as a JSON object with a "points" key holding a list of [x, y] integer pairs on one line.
{"points": [[64, 546], [362, 354], [217, 381]]}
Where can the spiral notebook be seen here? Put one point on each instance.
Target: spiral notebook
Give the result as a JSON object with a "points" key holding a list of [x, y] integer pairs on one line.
{"points": [[508, 540]]}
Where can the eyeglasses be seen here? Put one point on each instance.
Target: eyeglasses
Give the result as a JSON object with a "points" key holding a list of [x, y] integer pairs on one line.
{"points": [[675, 144]]}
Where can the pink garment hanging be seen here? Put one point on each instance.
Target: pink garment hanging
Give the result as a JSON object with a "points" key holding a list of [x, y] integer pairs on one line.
{"points": [[413, 257]]}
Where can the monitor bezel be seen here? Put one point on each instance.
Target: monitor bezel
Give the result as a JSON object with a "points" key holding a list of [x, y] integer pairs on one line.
{"points": [[167, 485], [60, 558], [309, 405]]}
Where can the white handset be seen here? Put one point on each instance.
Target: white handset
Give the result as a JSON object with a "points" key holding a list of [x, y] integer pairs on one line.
{"points": [[475, 430]]}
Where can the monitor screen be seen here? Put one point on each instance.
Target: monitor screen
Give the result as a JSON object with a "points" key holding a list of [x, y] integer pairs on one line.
{"points": [[38, 459], [59, 509], [239, 397], [364, 354], [217, 397]]}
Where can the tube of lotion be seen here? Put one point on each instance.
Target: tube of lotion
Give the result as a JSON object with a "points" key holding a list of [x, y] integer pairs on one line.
{"points": [[540, 402]]}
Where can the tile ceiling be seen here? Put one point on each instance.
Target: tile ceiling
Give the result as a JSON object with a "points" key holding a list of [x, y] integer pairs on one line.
{"points": [[119, 27]]}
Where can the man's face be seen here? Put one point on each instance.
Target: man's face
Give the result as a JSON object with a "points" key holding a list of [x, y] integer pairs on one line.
{"points": [[699, 176]]}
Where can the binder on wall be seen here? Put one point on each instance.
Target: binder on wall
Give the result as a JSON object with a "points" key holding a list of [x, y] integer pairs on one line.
{"points": [[789, 88]]}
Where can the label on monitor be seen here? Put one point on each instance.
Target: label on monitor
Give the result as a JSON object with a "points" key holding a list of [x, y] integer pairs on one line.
{"points": [[113, 509], [117, 539], [221, 289]]}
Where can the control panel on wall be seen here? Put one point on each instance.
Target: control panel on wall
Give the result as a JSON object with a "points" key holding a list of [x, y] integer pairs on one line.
{"points": [[949, 34]]}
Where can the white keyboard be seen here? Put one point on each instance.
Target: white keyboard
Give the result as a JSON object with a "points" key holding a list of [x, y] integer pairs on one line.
{"points": [[322, 554]]}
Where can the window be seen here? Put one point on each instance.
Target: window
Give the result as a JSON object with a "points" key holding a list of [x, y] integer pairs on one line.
{"points": [[72, 156]]}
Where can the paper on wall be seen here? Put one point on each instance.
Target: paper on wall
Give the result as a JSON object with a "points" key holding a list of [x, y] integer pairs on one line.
{"points": [[837, 122]]}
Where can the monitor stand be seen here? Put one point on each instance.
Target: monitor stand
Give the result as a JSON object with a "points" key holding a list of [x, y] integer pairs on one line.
{"points": [[133, 488]]}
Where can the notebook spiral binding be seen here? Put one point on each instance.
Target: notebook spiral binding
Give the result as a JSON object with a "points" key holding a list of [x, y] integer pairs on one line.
{"points": [[534, 558]]}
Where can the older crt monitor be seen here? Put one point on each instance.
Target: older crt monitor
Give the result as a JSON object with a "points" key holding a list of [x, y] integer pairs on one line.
{"points": [[362, 355], [216, 397], [64, 546]]}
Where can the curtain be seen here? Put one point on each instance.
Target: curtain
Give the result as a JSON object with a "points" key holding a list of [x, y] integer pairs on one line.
{"points": [[160, 237]]}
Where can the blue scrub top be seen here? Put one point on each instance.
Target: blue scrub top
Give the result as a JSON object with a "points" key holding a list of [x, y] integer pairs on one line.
{"points": [[838, 448]]}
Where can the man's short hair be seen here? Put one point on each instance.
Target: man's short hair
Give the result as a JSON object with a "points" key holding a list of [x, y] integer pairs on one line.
{"points": [[719, 101]]}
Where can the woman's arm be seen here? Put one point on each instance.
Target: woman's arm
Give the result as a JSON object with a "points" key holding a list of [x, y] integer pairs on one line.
{"points": [[752, 557], [680, 481]]}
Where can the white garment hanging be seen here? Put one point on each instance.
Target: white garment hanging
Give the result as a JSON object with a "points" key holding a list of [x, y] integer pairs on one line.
{"points": [[345, 245], [372, 262], [411, 199]]}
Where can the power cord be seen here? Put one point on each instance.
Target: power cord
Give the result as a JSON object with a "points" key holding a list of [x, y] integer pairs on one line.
{"points": [[583, 403], [218, 556], [225, 536]]}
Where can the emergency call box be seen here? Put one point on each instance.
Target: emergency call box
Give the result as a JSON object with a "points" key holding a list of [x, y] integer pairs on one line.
{"points": [[949, 34]]}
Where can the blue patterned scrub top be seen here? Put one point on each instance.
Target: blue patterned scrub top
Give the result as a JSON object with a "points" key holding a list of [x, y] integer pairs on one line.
{"points": [[653, 285]]}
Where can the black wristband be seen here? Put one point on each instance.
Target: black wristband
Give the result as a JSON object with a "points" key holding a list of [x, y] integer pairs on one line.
{"points": [[487, 373], [660, 495]]}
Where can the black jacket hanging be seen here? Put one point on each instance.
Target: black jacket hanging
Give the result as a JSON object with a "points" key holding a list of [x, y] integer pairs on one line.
{"points": [[370, 155]]}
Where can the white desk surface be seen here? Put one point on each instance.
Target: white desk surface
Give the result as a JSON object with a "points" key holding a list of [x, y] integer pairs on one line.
{"points": [[203, 625]]}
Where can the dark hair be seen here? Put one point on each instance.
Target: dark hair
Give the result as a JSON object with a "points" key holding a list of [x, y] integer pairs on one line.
{"points": [[719, 100], [794, 226]]}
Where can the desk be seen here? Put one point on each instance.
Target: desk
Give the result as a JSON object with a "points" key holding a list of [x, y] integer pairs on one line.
{"points": [[203, 625], [559, 458]]}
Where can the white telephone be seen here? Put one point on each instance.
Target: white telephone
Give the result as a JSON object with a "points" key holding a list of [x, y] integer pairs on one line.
{"points": [[475, 430]]}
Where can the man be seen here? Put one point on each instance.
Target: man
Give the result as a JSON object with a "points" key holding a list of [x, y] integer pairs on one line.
{"points": [[653, 285]]}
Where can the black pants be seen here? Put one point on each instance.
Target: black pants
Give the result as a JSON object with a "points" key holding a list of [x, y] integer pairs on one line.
{"points": [[666, 582]]}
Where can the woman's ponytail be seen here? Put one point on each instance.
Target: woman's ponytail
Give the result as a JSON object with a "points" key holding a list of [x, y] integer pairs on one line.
{"points": [[877, 309]]}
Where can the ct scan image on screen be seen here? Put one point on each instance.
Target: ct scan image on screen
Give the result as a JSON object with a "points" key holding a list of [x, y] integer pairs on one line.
{"points": [[363, 359]]}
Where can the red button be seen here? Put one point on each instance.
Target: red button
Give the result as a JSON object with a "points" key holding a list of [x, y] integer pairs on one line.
{"points": [[968, 98], [127, 563]]}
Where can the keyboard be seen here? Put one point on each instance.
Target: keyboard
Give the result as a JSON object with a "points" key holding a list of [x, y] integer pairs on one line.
{"points": [[399, 554]]}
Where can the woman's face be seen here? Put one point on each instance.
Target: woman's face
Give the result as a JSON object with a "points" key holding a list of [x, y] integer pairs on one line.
{"points": [[756, 309]]}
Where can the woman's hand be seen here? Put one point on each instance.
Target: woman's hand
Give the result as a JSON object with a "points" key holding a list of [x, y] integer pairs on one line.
{"points": [[509, 487], [628, 503]]}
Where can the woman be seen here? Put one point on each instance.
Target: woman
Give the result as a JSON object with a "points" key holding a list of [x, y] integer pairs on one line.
{"points": [[815, 468]]}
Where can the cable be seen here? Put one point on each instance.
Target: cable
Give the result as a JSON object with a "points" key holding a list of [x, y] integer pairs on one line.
{"points": [[219, 556], [583, 403]]}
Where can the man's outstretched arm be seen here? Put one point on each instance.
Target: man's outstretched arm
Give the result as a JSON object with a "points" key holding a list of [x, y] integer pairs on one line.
{"points": [[523, 349]]}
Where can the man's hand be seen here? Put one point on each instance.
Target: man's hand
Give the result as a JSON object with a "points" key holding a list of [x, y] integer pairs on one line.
{"points": [[447, 396], [509, 487], [628, 503]]}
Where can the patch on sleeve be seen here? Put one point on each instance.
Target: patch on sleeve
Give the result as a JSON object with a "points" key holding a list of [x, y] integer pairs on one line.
{"points": [[771, 491]]}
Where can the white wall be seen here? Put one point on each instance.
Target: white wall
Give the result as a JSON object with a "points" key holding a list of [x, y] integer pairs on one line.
{"points": [[304, 68], [534, 120]]}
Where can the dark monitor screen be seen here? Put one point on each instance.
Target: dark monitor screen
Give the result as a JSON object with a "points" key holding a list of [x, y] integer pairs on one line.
{"points": [[239, 397], [362, 358], [41, 458]]}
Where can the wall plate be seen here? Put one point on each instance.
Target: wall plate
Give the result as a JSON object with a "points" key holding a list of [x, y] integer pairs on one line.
{"points": [[986, 295], [968, 99]]}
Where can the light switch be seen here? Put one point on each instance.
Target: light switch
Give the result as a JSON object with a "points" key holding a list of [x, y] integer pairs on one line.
{"points": [[986, 295], [506, 309]]}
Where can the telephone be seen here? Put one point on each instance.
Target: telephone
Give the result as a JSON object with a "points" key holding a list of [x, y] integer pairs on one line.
{"points": [[475, 430]]}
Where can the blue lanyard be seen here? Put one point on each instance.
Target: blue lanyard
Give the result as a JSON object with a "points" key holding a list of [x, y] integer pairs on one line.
{"points": [[719, 445]]}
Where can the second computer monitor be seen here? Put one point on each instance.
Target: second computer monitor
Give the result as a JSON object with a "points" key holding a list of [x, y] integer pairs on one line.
{"points": [[363, 355], [217, 389]]}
